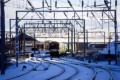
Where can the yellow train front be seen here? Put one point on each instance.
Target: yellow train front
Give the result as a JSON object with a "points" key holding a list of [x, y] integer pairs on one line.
{"points": [[54, 49]]}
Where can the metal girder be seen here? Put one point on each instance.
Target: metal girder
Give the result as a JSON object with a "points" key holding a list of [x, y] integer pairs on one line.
{"points": [[49, 28], [48, 23], [65, 10], [48, 19]]}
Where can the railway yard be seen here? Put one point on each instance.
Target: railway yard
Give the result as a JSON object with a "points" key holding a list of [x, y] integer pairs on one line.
{"points": [[59, 40]]}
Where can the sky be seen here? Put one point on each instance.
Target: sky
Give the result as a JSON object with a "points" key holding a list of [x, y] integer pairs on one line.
{"points": [[91, 23]]}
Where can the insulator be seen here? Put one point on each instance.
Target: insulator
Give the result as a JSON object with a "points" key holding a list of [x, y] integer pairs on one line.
{"points": [[69, 3], [87, 14], [115, 2], [43, 3], [95, 4], [54, 15], [102, 14], [29, 2], [65, 14], [56, 3], [82, 3], [106, 2]]}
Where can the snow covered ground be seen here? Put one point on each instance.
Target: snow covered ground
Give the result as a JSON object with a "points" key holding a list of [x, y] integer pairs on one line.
{"points": [[63, 68]]}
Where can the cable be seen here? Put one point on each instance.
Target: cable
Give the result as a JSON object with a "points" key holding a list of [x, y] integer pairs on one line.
{"points": [[65, 15], [7, 1], [96, 19], [20, 20], [47, 3], [73, 8]]}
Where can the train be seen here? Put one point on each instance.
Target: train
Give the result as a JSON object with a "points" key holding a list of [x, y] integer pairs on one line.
{"points": [[51, 48], [54, 49]]}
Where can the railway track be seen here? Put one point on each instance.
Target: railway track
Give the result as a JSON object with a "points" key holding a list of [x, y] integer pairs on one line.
{"points": [[76, 67], [63, 71], [58, 74], [64, 75], [65, 68], [81, 73], [106, 72], [94, 69], [35, 68]]}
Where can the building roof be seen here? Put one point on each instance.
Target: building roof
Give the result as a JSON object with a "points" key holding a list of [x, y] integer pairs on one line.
{"points": [[27, 37]]}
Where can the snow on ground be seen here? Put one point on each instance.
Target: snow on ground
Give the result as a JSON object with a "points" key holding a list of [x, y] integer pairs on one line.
{"points": [[102, 72], [116, 75], [15, 71], [84, 73], [41, 75], [60, 69], [67, 73]]}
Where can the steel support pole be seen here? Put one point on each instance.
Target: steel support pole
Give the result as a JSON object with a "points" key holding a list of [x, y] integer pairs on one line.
{"points": [[19, 40], [68, 40], [87, 37], [16, 40], [84, 40], [10, 35], [104, 38], [74, 35], [34, 42], [116, 36], [24, 42], [2, 26], [109, 52], [72, 41], [77, 43]]}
